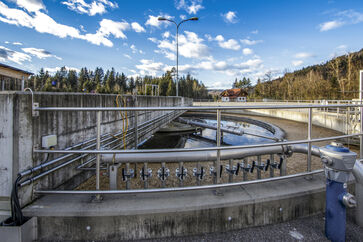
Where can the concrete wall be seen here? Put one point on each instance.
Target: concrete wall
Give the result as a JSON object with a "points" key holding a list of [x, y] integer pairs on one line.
{"points": [[337, 122], [20, 132]]}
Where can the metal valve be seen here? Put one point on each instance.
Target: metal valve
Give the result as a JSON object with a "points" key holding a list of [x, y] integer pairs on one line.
{"points": [[145, 174], [181, 173], [234, 170], [276, 165], [213, 171], [248, 167], [126, 175], [200, 174], [264, 167], [349, 200], [163, 173]]}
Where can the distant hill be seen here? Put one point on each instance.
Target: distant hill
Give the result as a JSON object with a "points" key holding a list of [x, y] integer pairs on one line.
{"points": [[335, 79]]}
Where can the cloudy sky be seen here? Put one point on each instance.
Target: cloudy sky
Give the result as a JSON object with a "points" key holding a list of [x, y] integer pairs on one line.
{"points": [[231, 38]]}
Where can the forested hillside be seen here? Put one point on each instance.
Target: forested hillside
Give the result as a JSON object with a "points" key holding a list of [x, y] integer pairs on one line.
{"points": [[98, 81], [335, 79]]}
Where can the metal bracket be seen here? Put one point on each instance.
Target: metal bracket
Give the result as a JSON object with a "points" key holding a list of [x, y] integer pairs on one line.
{"points": [[145, 174], [181, 173], [199, 174], [34, 105], [163, 173], [234, 170]]}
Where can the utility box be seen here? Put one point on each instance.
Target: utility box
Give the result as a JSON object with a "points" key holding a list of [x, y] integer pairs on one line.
{"points": [[24, 233], [49, 141]]}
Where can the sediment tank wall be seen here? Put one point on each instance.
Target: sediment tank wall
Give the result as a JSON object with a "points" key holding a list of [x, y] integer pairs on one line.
{"points": [[20, 132]]}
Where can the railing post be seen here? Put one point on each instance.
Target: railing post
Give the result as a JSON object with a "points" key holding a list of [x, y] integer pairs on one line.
{"points": [[361, 113], [98, 156], [309, 138], [272, 161], [258, 164], [218, 137], [136, 133]]}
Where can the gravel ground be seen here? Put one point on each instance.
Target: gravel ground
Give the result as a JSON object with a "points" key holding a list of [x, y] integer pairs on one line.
{"points": [[302, 229], [295, 164]]}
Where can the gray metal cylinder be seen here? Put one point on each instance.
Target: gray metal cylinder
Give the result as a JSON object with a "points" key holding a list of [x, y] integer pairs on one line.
{"points": [[358, 174]]}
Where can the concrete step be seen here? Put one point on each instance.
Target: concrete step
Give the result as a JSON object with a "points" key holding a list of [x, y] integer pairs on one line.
{"points": [[141, 216]]}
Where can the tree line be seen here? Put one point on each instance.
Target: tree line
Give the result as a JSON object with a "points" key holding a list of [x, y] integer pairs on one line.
{"points": [[110, 81], [334, 79]]}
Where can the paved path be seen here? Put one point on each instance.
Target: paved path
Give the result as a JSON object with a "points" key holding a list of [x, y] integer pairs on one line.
{"points": [[303, 229]]}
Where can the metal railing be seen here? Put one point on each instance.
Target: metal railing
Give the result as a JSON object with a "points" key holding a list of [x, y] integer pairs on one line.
{"points": [[219, 151]]}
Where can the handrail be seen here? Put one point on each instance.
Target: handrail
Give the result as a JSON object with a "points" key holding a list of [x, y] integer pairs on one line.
{"points": [[192, 107], [196, 149], [179, 189]]}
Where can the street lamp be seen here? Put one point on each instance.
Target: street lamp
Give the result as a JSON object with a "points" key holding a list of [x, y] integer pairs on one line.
{"points": [[177, 46]]}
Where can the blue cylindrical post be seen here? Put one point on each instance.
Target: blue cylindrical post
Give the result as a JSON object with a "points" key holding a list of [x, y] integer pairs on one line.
{"points": [[338, 164], [335, 211]]}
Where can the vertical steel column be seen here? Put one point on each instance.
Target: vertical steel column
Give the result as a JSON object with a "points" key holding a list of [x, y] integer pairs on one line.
{"points": [[309, 138], [217, 164], [136, 121], [361, 112], [163, 182], [127, 171], [272, 161], [98, 156], [181, 167], [146, 182], [230, 175], [258, 164], [198, 171], [245, 162]]}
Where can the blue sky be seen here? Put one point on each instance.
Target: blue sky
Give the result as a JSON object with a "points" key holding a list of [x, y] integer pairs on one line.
{"points": [[231, 39]]}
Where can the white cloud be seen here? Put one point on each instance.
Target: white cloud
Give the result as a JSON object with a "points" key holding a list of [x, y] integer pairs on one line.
{"points": [[154, 40], [107, 27], [330, 25], [191, 6], [40, 53], [53, 70], [14, 56], [149, 67], [250, 42], [153, 20], [303, 55], [254, 31], [247, 51], [230, 17], [135, 50], [93, 8], [230, 44], [182, 17], [297, 62], [166, 34], [30, 5], [137, 27], [43, 23], [346, 17], [190, 46], [342, 47], [17, 43], [127, 56]]}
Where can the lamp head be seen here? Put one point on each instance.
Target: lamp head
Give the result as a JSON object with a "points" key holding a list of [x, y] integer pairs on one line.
{"points": [[194, 18], [162, 19]]}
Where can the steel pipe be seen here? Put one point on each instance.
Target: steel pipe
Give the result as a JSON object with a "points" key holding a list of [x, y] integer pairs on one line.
{"points": [[194, 149], [180, 189], [207, 155], [191, 107]]}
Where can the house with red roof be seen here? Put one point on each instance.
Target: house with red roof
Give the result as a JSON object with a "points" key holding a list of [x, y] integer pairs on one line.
{"points": [[234, 95]]}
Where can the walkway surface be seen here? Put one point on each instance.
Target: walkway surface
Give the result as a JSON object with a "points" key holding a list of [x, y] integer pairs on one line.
{"points": [[302, 229]]}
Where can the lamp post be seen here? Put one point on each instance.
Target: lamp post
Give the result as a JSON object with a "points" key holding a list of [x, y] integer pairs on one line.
{"points": [[177, 46]]}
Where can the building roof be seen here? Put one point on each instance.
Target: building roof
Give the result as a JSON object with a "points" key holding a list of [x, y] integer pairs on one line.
{"points": [[234, 93], [16, 69]]}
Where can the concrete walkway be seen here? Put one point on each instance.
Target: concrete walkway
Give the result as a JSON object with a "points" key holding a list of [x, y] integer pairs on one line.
{"points": [[302, 229]]}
